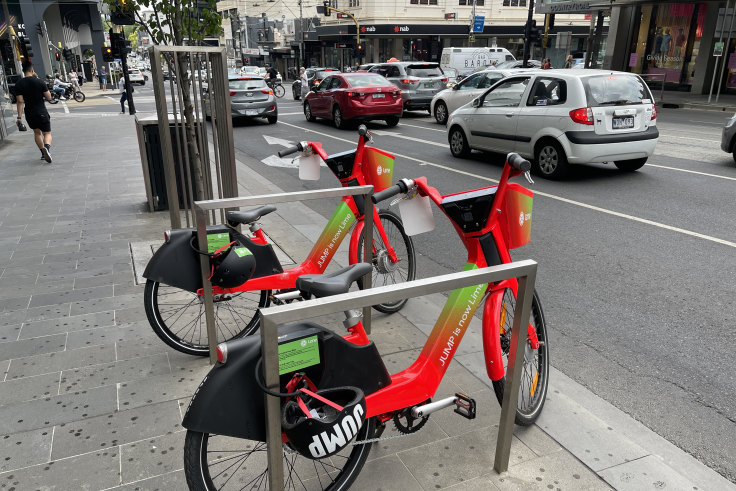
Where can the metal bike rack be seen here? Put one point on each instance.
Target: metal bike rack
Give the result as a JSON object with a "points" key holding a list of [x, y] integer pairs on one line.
{"points": [[271, 318], [200, 214]]}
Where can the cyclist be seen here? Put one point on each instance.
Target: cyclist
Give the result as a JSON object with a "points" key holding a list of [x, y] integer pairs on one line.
{"points": [[272, 75]]}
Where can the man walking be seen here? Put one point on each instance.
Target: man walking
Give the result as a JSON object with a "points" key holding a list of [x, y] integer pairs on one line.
{"points": [[123, 94], [30, 92], [103, 78]]}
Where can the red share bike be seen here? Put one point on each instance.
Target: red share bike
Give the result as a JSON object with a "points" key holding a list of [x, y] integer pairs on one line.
{"points": [[245, 270], [337, 396]]}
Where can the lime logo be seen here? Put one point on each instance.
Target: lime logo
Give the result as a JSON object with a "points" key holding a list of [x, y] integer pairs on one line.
{"points": [[521, 219], [379, 170], [304, 342]]}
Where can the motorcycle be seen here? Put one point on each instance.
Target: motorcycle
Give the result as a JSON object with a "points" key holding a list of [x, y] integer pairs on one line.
{"points": [[70, 92]]}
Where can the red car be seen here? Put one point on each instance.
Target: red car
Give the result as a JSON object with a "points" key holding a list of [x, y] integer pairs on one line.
{"points": [[347, 97]]}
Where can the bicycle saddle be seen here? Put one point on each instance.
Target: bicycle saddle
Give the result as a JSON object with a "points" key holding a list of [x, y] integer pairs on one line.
{"points": [[249, 216], [324, 285]]}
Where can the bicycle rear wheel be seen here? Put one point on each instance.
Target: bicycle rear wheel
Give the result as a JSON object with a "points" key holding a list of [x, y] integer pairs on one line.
{"points": [[217, 462], [535, 369], [385, 272], [278, 90], [178, 318]]}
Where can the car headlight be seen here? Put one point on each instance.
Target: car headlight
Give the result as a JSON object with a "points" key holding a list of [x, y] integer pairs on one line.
{"points": [[731, 121]]}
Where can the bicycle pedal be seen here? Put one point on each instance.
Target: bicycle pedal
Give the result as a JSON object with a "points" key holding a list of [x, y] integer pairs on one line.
{"points": [[465, 406]]}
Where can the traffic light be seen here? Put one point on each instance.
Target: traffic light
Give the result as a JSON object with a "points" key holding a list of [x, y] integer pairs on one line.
{"points": [[25, 47], [107, 55], [534, 36], [326, 6], [57, 56], [359, 50], [67, 54], [551, 24]]}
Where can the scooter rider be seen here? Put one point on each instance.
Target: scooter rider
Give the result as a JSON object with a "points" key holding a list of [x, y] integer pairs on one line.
{"points": [[60, 87]]}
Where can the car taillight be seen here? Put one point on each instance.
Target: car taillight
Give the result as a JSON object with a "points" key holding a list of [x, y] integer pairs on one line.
{"points": [[267, 91], [445, 80], [584, 115], [232, 93], [355, 94], [409, 80], [167, 236], [222, 352], [654, 112]]}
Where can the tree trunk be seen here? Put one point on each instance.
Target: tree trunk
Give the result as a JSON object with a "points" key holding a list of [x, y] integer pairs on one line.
{"points": [[190, 125]]}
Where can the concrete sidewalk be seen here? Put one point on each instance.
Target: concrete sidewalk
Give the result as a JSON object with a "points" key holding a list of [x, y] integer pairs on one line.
{"points": [[90, 398]]}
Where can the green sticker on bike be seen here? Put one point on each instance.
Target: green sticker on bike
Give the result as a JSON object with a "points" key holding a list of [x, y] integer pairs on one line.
{"points": [[217, 241], [299, 354], [242, 252]]}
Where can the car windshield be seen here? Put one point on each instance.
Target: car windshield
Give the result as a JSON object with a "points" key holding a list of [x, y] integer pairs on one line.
{"points": [[367, 80], [134, 72], [325, 73], [247, 84], [424, 71], [614, 90]]}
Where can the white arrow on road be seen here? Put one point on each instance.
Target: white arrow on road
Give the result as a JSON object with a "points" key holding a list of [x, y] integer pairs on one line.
{"points": [[278, 141]]}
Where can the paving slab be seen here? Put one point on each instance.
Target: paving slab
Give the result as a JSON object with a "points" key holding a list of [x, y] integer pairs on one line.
{"points": [[61, 360], [113, 373], [29, 388], [67, 324], [165, 482], [26, 347], [152, 457], [25, 449]]}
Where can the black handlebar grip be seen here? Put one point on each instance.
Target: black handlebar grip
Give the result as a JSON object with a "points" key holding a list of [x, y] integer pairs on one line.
{"points": [[390, 192], [362, 130], [289, 151], [518, 162]]}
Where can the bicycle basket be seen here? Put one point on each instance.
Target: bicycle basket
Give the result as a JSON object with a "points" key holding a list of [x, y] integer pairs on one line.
{"points": [[516, 221], [323, 423]]}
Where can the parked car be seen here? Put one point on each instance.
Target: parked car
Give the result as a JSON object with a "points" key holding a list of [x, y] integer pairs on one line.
{"points": [[728, 137], [357, 96], [418, 81], [510, 65], [250, 71], [136, 77], [446, 101], [250, 97], [560, 117], [314, 76]]}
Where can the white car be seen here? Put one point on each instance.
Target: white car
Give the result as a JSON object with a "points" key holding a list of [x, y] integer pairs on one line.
{"points": [[560, 117], [446, 101], [136, 77]]}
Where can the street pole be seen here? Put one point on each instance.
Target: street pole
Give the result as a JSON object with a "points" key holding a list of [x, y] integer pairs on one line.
{"points": [[302, 56], [527, 32], [546, 36], [16, 61], [123, 51], [720, 40]]}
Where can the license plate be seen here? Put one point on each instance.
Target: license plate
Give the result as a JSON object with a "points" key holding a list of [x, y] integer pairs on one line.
{"points": [[622, 123], [379, 96], [251, 112], [429, 85]]}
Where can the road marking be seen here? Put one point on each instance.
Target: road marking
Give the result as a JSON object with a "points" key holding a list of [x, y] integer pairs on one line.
{"points": [[278, 141], [689, 138], [291, 114], [411, 138], [66, 109], [423, 127], [706, 122], [558, 198], [692, 172]]}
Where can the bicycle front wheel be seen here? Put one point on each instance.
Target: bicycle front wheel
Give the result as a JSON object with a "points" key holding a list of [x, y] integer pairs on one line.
{"points": [[535, 369], [217, 462], [178, 318], [278, 90], [385, 271]]}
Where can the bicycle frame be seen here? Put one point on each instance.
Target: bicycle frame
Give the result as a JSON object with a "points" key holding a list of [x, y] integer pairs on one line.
{"points": [[419, 382], [347, 213]]}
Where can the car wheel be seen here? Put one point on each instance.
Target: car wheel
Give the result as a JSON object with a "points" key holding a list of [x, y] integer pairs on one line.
{"points": [[391, 122], [337, 118], [631, 165], [550, 161], [440, 112], [308, 112], [272, 119], [459, 143]]}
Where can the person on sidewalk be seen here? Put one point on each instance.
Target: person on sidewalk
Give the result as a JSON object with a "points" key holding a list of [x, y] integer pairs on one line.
{"points": [[123, 95], [60, 87], [30, 92], [103, 78], [305, 82]]}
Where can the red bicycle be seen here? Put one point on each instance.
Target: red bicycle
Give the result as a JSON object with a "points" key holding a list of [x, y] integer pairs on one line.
{"points": [[173, 296], [328, 429]]}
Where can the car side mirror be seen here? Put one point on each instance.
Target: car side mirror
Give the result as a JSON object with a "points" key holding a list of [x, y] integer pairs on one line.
{"points": [[456, 87], [477, 102]]}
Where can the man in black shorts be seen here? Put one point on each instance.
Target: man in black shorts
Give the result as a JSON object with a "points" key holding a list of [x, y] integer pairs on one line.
{"points": [[31, 92]]}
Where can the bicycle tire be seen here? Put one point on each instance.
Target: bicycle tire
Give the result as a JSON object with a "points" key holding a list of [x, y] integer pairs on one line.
{"points": [[279, 91], [535, 384], [177, 316], [79, 96], [384, 272], [197, 466]]}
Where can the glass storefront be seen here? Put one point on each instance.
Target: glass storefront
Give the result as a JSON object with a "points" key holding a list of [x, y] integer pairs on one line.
{"points": [[668, 41], [7, 108]]}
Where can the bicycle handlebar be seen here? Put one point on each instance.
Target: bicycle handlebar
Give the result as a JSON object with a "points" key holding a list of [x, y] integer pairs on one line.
{"points": [[297, 148], [390, 192], [518, 162], [362, 130]]}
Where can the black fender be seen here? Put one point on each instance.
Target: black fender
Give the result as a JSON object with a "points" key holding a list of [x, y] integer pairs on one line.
{"points": [[229, 402], [176, 264]]}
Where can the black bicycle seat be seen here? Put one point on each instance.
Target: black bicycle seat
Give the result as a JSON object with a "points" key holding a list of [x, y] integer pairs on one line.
{"points": [[324, 285], [249, 216]]}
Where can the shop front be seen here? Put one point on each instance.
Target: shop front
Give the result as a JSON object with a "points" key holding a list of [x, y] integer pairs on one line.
{"points": [[667, 40]]}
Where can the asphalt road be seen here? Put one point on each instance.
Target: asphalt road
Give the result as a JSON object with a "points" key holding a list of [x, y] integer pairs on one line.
{"points": [[636, 271]]}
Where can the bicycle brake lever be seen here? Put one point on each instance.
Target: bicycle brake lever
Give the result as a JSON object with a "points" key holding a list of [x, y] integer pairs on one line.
{"points": [[528, 177]]}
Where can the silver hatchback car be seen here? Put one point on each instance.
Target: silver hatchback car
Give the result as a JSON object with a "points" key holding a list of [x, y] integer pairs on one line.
{"points": [[418, 81], [250, 97]]}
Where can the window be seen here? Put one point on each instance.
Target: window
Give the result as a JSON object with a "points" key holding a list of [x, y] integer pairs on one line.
{"points": [[614, 90], [423, 71], [325, 84], [547, 92], [508, 94], [354, 3], [336, 82], [470, 2], [368, 80], [471, 82], [514, 3], [489, 79], [423, 2]]}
